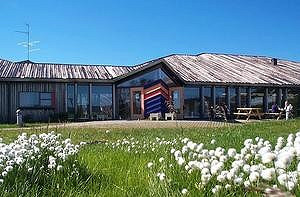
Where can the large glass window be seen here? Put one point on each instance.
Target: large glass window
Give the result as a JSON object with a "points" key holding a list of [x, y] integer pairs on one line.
{"points": [[101, 102], [83, 101], [70, 101], [35, 99], [175, 94], [123, 98], [220, 96], [137, 102], [294, 99], [191, 103], [243, 94], [272, 94], [233, 99], [147, 78], [257, 97], [207, 101]]}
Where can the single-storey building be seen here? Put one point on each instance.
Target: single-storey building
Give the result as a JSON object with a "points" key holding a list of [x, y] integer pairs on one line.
{"points": [[194, 83]]}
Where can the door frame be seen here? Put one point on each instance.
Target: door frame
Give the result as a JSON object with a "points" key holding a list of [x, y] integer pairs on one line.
{"points": [[141, 115]]}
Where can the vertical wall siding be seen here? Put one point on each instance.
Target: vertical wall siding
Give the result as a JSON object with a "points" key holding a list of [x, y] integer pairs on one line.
{"points": [[3, 103], [17, 87]]}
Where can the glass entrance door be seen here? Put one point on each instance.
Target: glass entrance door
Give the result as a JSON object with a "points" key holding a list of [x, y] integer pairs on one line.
{"points": [[137, 103]]}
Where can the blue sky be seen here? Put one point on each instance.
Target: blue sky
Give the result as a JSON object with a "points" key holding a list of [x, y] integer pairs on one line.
{"points": [[131, 32]]}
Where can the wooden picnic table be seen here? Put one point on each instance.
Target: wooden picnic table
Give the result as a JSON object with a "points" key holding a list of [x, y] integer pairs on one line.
{"points": [[248, 112]]}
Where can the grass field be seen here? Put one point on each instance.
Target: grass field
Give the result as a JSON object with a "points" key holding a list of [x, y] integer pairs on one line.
{"points": [[113, 170]]}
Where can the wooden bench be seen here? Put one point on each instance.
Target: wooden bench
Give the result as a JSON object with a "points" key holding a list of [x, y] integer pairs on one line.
{"points": [[155, 116], [249, 112], [276, 115], [170, 116]]}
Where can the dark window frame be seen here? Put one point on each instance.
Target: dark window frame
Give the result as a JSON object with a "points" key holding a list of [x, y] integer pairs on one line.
{"points": [[40, 99]]}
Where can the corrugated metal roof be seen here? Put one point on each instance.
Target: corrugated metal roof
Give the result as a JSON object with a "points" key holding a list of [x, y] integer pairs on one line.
{"points": [[224, 68], [206, 67], [30, 70]]}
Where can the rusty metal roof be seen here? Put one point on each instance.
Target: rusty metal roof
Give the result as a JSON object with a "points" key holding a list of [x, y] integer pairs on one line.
{"points": [[206, 67]]}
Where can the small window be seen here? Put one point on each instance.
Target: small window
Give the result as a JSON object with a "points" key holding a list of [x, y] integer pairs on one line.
{"points": [[35, 99]]}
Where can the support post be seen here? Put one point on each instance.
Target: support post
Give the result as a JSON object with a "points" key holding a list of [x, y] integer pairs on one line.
{"points": [[266, 94], [238, 96], [75, 101], [249, 97], [114, 101], [213, 95], [66, 98], [279, 96], [202, 102], [227, 91], [90, 100]]}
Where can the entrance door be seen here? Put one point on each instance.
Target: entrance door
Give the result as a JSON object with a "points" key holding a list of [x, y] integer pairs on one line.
{"points": [[137, 103]]}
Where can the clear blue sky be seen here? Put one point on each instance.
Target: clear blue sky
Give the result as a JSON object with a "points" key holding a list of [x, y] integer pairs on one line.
{"points": [[131, 32]]}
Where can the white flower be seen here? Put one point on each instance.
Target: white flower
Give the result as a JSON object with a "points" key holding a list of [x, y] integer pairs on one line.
{"points": [[150, 164], [227, 186], [1, 181], [4, 173], [253, 177], [268, 157], [161, 159], [59, 167], [247, 184], [213, 141], [184, 191], [216, 189], [161, 176], [268, 174], [107, 131], [231, 152]]}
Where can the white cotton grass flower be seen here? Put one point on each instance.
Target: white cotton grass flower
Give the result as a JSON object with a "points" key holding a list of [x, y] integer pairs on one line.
{"points": [[150, 164], [213, 141], [107, 131], [184, 191], [161, 160], [161, 176]]}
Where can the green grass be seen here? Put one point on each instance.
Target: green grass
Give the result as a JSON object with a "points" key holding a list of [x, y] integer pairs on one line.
{"points": [[116, 172]]}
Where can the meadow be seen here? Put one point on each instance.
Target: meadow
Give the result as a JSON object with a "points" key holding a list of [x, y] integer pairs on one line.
{"points": [[144, 162]]}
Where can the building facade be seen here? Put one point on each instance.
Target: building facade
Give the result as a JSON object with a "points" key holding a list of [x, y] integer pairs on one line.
{"points": [[195, 83]]}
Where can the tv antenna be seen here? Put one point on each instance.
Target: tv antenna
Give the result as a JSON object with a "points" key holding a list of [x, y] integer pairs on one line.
{"points": [[28, 44]]}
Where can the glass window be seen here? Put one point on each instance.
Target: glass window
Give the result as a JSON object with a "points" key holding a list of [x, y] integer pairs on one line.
{"points": [[137, 108], [70, 101], [272, 94], [83, 101], [191, 103], [35, 99], [243, 93], [123, 98], [147, 78], [220, 96], [257, 97], [176, 100], [294, 99], [101, 102], [233, 99], [207, 101]]}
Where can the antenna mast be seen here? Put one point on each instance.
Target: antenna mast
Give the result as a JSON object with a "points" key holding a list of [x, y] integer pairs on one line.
{"points": [[28, 44]]}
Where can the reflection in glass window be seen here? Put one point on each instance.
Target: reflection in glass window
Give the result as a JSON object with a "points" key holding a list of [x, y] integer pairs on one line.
{"points": [[294, 99], [176, 100], [257, 97], [83, 101], [137, 108], [220, 96], [191, 103], [243, 93], [233, 99], [207, 101], [123, 98], [35, 99], [271, 97], [147, 78], [101, 102], [70, 101]]}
